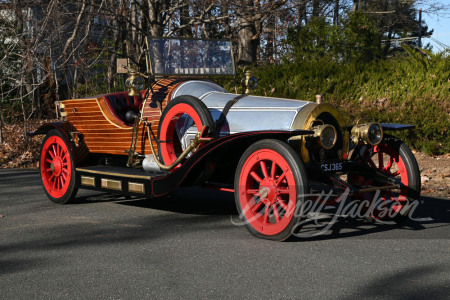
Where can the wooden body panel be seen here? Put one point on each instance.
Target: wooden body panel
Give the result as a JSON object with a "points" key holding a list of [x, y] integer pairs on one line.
{"points": [[103, 133]]}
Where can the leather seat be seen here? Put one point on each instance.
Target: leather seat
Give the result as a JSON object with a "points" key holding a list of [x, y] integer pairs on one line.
{"points": [[120, 103]]}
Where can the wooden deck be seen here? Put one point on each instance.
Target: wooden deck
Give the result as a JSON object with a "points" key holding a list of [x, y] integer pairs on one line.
{"points": [[103, 133]]}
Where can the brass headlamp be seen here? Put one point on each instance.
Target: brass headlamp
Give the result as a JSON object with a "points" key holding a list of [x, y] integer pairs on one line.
{"points": [[250, 82], [369, 133], [135, 83], [326, 135]]}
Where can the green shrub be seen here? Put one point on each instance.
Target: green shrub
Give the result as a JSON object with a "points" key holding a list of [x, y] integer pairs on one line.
{"points": [[404, 89]]}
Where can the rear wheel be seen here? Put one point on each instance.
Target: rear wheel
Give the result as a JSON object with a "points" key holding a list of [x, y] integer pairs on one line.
{"points": [[270, 187], [181, 114], [57, 168]]}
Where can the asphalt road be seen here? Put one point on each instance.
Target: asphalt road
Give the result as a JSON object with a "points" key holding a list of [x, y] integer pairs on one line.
{"points": [[185, 246]]}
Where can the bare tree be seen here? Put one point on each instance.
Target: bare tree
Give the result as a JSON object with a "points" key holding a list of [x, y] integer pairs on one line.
{"points": [[250, 17]]}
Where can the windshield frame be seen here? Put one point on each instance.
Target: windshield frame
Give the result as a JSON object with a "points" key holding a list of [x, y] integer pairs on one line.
{"points": [[151, 65]]}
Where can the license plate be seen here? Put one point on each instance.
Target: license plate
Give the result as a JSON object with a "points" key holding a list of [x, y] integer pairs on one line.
{"points": [[331, 167]]}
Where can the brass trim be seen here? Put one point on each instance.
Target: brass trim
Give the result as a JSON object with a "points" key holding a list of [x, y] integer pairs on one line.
{"points": [[113, 174], [136, 187], [88, 181], [112, 184], [310, 113], [80, 99], [318, 130], [360, 133], [110, 120]]}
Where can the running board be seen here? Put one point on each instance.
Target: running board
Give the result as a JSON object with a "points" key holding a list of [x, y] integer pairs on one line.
{"points": [[125, 181]]}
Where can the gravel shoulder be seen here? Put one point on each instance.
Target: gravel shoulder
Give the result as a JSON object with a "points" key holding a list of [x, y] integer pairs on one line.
{"points": [[435, 174]]}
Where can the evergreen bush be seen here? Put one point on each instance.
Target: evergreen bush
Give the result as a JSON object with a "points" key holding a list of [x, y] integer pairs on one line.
{"points": [[400, 90]]}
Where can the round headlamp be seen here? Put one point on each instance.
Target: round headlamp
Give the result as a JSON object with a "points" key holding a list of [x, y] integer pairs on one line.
{"points": [[252, 83], [135, 84], [326, 135], [138, 83], [370, 133], [375, 134]]}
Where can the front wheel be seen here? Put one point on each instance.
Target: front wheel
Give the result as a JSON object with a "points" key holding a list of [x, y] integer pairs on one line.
{"points": [[270, 187], [394, 158], [57, 168]]}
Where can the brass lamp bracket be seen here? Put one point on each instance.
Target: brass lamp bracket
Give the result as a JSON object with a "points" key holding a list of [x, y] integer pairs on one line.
{"points": [[76, 137], [132, 155]]}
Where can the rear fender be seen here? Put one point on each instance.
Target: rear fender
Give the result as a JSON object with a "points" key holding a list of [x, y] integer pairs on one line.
{"points": [[77, 146], [62, 127]]}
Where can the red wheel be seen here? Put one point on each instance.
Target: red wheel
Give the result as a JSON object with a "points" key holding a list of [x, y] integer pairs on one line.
{"points": [[179, 115], [393, 157], [57, 168], [270, 185]]}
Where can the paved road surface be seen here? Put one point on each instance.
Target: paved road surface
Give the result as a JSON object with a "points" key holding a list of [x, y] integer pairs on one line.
{"points": [[185, 246]]}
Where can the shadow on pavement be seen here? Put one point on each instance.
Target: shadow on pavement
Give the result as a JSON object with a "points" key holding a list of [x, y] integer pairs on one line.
{"points": [[192, 200], [416, 283], [431, 213]]}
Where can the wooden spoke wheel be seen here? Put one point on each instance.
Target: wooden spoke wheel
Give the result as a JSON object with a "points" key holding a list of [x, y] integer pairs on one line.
{"points": [[57, 168], [180, 114], [270, 187], [394, 158]]}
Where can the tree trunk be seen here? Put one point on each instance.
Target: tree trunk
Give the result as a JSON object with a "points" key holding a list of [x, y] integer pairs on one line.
{"points": [[155, 18], [1, 116], [270, 45], [24, 114], [24, 43], [316, 8], [157, 30], [65, 52], [355, 5], [336, 12], [301, 12], [117, 23], [184, 20], [248, 45]]}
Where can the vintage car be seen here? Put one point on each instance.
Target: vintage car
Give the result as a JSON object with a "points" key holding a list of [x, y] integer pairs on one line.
{"points": [[184, 129]]}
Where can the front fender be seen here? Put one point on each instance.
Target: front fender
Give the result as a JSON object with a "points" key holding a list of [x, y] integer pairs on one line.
{"points": [[234, 145], [395, 127]]}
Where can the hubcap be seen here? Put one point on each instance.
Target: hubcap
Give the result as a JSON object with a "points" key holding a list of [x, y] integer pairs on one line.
{"points": [[263, 192], [268, 191]]}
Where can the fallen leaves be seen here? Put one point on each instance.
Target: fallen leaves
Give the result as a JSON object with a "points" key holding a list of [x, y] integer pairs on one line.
{"points": [[18, 152]]}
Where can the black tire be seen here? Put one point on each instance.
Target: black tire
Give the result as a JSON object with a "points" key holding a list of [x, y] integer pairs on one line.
{"points": [[167, 139], [413, 172], [57, 168], [399, 162], [290, 189]]}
